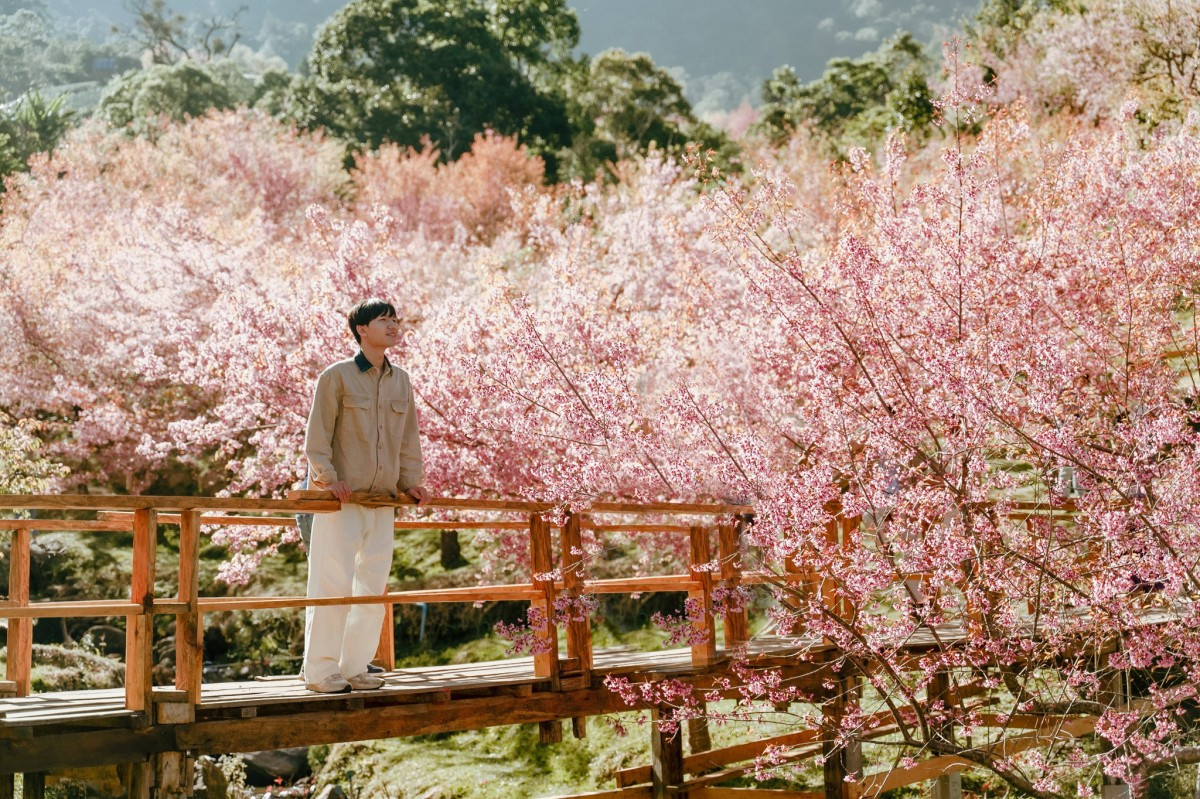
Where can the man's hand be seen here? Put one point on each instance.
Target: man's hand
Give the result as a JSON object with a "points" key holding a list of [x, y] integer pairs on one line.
{"points": [[340, 491], [420, 494]]}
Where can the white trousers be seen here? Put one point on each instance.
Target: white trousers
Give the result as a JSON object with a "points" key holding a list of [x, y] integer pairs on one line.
{"points": [[350, 555]]}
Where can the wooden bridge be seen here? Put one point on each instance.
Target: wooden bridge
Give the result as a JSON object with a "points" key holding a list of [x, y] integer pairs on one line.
{"points": [[156, 732]]}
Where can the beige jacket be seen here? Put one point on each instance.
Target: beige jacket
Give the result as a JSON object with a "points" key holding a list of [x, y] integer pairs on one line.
{"points": [[363, 429]]}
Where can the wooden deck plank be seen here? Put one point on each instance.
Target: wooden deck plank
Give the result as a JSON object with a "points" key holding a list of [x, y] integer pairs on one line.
{"points": [[404, 686]]}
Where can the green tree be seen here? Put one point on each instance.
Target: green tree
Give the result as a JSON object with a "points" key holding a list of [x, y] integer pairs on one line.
{"points": [[24, 467], [403, 70], [170, 36], [622, 104], [855, 101], [38, 7], [36, 56], [32, 125], [186, 89], [25, 38]]}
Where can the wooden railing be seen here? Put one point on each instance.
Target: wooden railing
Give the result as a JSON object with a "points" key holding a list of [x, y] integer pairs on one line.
{"points": [[142, 516]]}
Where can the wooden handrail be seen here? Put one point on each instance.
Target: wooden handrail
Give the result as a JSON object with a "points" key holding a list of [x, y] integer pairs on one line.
{"points": [[383, 500], [638, 528], [67, 610], [447, 503], [119, 520], [160, 503], [491, 593], [57, 525]]}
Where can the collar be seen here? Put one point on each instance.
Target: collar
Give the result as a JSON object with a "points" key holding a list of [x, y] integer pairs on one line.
{"points": [[363, 364]]}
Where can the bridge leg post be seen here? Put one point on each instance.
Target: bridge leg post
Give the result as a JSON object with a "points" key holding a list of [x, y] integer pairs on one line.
{"points": [[550, 732], [34, 785], [141, 779], [173, 775], [173, 770], [947, 786], [666, 761]]}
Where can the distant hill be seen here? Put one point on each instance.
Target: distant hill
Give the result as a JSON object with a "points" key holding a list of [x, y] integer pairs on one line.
{"points": [[721, 49]]}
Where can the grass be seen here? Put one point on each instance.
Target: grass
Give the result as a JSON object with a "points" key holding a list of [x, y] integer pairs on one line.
{"points": [[509, 762]]}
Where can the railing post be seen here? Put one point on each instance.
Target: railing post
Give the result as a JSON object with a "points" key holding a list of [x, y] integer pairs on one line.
{"points": [[189, 650], [541, 559], [1117, 688], [579, 633], [139, 633], [845, 761], [947, 786], [20, 631], [837, 533], [385, 654], [703, 652], [729, 548]]}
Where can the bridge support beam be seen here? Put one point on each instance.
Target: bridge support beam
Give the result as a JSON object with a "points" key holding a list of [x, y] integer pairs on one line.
{"points": [[844, 761], [138, 779], [698, 737], [173, 771], [666, 760]]}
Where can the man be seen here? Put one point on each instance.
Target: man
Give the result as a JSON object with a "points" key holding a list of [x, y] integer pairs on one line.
{"points": [[362, 436]]}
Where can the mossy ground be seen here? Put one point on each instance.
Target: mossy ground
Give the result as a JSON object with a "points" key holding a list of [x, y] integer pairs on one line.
{"points": [[509, 762]]}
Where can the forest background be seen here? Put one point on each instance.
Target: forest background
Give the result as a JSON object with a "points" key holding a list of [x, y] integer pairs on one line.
{"points": [[924, 285]]}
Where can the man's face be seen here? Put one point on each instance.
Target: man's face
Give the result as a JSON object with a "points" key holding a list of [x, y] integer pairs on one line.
{"points": [[382, 332]]}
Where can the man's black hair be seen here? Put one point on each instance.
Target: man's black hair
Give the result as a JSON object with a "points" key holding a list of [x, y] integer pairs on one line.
{"points": [[366, 311]]}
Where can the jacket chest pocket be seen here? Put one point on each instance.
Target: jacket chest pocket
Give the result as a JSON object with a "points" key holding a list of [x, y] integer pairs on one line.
{"points": [[395, 412], [356, 415]]}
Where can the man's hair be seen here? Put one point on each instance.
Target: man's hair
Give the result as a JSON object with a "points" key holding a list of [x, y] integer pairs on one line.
{"points": [[366, 311]]}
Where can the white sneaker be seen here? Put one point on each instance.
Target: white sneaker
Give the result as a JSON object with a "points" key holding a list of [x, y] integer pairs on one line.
{"points": [[364, 682], [333, 684]]}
